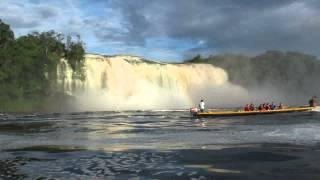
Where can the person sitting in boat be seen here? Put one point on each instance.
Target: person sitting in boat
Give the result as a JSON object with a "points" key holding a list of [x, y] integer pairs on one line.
{"points": [[246, 107], [201, 105], [312, 102], [267, 106], [280, 106], [260, 108], [264, 106], [251, 107], [273, 106]]}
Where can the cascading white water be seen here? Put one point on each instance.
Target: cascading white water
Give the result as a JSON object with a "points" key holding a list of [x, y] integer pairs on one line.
{"points": [[131, 83]]}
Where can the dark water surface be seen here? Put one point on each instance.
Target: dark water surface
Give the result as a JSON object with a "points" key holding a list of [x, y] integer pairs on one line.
{"points": [[159, 145]]}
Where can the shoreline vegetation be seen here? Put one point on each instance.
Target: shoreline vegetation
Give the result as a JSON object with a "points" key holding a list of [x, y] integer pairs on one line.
{"points": [[28, 69]]}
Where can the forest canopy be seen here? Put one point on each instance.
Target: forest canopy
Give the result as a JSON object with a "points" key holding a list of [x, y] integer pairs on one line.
{"points": [[28, 65]]}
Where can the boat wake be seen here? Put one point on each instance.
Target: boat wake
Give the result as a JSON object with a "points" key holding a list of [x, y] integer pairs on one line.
{"points": [[168, 110]]}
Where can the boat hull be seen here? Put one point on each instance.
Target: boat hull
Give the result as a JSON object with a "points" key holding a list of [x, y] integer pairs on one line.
{"points": [[247, 113]]}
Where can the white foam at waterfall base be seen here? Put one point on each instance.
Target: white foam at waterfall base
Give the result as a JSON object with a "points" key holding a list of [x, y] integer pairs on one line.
{"points": [[130, 83]]}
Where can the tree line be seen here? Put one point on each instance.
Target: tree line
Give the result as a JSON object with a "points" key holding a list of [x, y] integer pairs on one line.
{"points": [[28, 66]]}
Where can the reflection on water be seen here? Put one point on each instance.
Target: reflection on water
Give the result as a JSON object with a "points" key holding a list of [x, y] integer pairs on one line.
{"points": [[158, 145]]}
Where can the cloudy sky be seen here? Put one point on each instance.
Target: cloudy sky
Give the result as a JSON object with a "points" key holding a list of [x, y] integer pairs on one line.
{"points": [[172, 30]]}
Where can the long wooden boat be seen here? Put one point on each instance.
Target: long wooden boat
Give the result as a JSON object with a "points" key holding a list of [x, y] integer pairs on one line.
{"points": [[256, 112]]}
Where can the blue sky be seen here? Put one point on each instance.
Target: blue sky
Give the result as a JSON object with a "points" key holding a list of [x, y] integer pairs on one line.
{"points": [[173, 30]]}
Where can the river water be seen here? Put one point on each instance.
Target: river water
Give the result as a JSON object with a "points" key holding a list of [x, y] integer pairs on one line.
{"points": [[159, 145]]}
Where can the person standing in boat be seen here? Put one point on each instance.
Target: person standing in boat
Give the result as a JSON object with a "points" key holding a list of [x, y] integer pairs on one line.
{"points": [[201, 105], [312, 102]]}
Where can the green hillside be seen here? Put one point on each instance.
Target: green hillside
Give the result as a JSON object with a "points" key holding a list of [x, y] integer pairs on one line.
{"points": [[291, 73]]}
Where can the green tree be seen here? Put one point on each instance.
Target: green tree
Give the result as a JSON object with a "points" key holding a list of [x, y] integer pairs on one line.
{"points": [[74, 53], [28, 64], [6, 35]]}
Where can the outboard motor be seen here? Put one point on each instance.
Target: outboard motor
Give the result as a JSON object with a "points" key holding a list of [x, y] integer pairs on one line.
{"points": [[194, 111]]}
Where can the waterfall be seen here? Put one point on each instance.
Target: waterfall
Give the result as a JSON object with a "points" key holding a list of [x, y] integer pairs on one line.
{"points": [[132, 83]]}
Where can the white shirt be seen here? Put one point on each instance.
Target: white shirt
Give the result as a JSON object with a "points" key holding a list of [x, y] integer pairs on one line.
{"points": [[201, 105]]}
